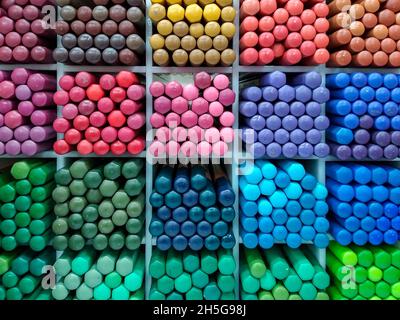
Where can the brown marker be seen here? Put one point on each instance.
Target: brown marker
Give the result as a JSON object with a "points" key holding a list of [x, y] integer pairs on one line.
{"points": [[362, 59], [181, 29], [84, 13], [356, 45], [228, 57], [388, 45], [339, 38], [109, 27], [161, 57], [117, 13], [369, 20], [337, 6], [220, 43], [128, 57], [394, 59], [196, 57], [126, 28], [356, 11], [157, 41], [339, 21], [188, 43], [394, 32], [372, 44], [180, 57], [340, 58], [93, 27], [172, 42], [393, 5], [78, 27], [380, 59], [370, 5], [62, 27], [204, 43], [387, 17], [380, 32], [213, 57], [357, 28]]}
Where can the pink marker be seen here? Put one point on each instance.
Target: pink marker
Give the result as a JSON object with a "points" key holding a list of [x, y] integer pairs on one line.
{"points": [[179, 105], [20, 75], [97, 119], [157, 89], [93, 134], [107, 81], [211, 94], [5, 54], [13, 39], [162, 104], [22, 26], [136, 121], [109, 134], [190, 92], [157, 120], [86, 107], [202, 80], [84, 79], [61, 125], [129, 107], [163, 134], [265, 56], [204, 149], [157, 148], [126, 134], [266, 23], [221, 81], [294, 7], [293, 40], [294, 24], [173, 89], [216, 108], [188, 149], [227, 134], [227, 119], [189, 119], [67, 82], [69, 111], [172, 120], [84, 147], [136, 92], [219, 148], [206, 121], [195, 134], [291, 56], [105, 105], [20, 54], [179, 134], [200, 106], [13, 119], [43, 117], [172, 148], [61, 97], [40, 82], [7, 89], [212, 135], [43, 99], [227, 97], [77, 94]]}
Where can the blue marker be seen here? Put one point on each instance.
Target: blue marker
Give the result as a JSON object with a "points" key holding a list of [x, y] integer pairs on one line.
{"points": [[179, 243], [250, 240], [164, 213], [360, 237], [180, 214], [249, 224], [188, 228], [341, 235], [196, 242], [341, 209], [266, 225], [163, 242], [293, 208], [307, 233], [337, 81], [196, 214], [228, 214], [293, 240], [266, 241], [220, 228], [279, 233], [212, 214], [171, 228], [212, 242], [264, 207]]}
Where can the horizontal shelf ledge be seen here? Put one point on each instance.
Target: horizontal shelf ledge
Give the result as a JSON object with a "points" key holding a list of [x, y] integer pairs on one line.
{"points": [[191, 69], [103, 69]]}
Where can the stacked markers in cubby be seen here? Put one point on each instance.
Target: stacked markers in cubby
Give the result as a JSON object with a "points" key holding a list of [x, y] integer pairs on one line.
{"points": [[99, 202], [364, 33], [364, 201], [282, 273], [101, 32], [26, 112], [21, 274], [109, 275], [100, 113], [283, 31], [281, 203], [193, 208], [191, 275], [363, 273], [25, 36], [365, 115], [192, 32], [26, 207], [193, 119], [281, 115]]}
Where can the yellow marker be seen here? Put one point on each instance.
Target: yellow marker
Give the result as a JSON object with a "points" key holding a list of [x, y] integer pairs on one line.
{"points": [[220, 42], [161, 57], [212, 29], [175, 13], [180, 57], [193, 13], [224, 3], [164, 27], [157, 12], [172, 42], [189, 2], [188, 43], [157, 41], [203, 3], [204, 43], [228, 57], [196, 57], [171, 2], [211, 12], [228, 30], [228, 14], [212, 57], [181, 29], [196, 30]]}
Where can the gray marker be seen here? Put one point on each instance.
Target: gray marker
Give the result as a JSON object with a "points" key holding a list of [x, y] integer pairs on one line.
{"points": [[76, 55], [60, 54], [110, 55], [117, 41], [136, 43], [68, 13], [68, 40], [100, 13], [135, 15], [101, 41], [85, 41], [137, 3], [93, 55]]}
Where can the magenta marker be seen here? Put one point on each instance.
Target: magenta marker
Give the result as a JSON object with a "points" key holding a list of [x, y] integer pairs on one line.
{"points": [[6, 54], [4, 75], [227, 97], [136, 92], [162, 104], [20, 75], [206, 121], [6, 134], [129, 107], [13, 119], [1, 120], [211, 94], [136, 121], [157, 89], [13, 147], [163, 134], [13, 39], [126, 134], [189, 119], [190, 92], [43, 117], [41, 82], [172, 120], [202, 80], [30, 147], [7, 105], [41, 134], [201, 105], [173, 89], [22, 26], [157, 120], [179, 105], [43, 99], [20, 54], [22, 133], [69, 111]]}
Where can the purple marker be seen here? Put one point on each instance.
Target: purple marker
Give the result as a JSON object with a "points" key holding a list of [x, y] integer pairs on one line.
{"points": [[342, 152], [281, 109], [305, 150], [26, 108], [265, 108], [2, 148], [1, 120], [274, 150], [256, 122], [276, 79], [6, 134], [305, 122], [297, 136], [270, 93], [395, 137], [13, 147], [43, 117], [375, 152], [281, 136], [257, 150], [366, 122], [22, 133], [390, 152], [289, 150], [297, 108], [313, 109], [30, 147], [313, 136], [248, 108], [273, 122], [41, 134], [251, 93], [321, 150], [249, 135], [287, 93], [321, 123], [311, 79], [320, 94], [381, 138], [362, 136], [359, 152], [265, 136], [289, 122], [303, 94], [22, 92]]}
